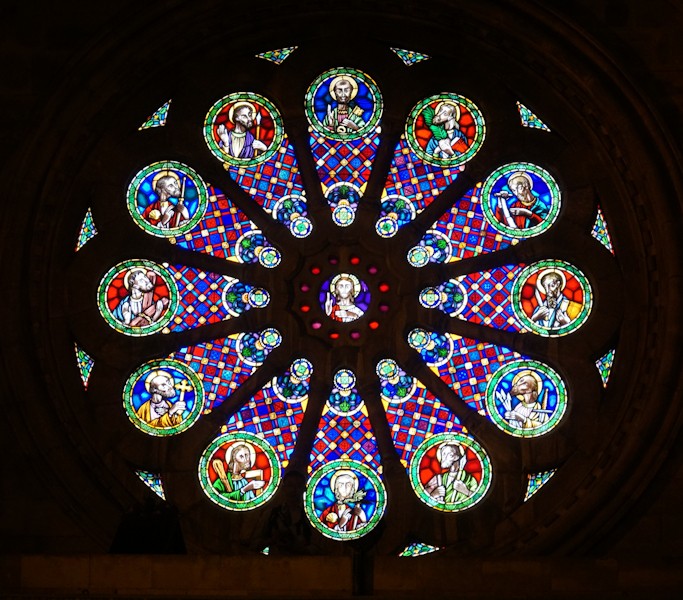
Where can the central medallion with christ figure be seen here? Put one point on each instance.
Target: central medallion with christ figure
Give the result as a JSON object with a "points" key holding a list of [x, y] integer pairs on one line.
{"points": [[344, 297]]}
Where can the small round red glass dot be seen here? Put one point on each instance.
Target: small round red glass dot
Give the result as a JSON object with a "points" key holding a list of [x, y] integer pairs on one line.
{"points": [[372, 270], [305, 308], [384, 307], [383, 287], [373, 324], [316, 324], [304, 287], [315, 270], [333, 260], [334, 335], [355, 335], [354, 260]]}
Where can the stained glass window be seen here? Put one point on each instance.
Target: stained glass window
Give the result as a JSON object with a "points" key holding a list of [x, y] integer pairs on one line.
{"points": [[600, 231], [85, 364], [604, 365], [88, 230], [536, 481], [418, 549], [409, 57], [303, 250], [277, 56], [529, 119], [153, 482], [158, 119]]}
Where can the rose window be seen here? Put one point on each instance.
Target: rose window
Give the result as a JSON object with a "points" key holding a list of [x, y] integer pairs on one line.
{"points": [[347, 305]]}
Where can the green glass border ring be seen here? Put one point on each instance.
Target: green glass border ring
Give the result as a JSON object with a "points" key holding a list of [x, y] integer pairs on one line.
{"points": [[553, 209], [240, 505], [551, 265], [374, 480], [523, 365], [113, 322], [461, 159], [467, 441], [155, 365], [373, 89], [167, 165], [218, 107]]}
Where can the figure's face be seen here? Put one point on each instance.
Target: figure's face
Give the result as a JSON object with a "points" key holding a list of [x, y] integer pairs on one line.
{"points": [[444, 114], [553, 286], [448, 457], [526, 385], [520, 188], [344, 288], [343, 92], [344, 488], [142, 282], [171, 188], [163, 386], [242, 458], [245, 117]]}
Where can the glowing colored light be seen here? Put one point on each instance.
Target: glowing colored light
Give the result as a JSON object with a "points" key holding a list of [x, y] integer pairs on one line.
{"points": [[354, 260], [383, 287], [305, 308], [315, 270], [334, 335], [373, 324], [316, 324]]}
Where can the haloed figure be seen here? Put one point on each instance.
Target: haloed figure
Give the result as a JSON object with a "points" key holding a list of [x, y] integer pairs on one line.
{"points": [[160, 410], [551, 312], [340, 303], [163, 213], [240, 481], [138, 308], [345, 513], [240, 142], [453, 484], [346, 116]]}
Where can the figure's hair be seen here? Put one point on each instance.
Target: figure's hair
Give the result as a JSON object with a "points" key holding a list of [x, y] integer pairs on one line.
{"points": [[550, 276], [162, 182]]}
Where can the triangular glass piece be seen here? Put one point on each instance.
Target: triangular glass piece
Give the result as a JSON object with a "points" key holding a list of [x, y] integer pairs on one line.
{"points": [[418, 549], [529, 119], [277, 56], [409, 57], [85, 364], [266, 551], [158, 119], [153, 482], [604, 365], [537, 481], [88, 230], [600, 231]]}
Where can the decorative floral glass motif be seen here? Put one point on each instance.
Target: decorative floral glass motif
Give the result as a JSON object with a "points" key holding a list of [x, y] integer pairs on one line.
{"points": [[529, 119], [600, 231], [536, 481], [409, 57], [277, 56], [153, 482], [158, 119], [243, 465]]}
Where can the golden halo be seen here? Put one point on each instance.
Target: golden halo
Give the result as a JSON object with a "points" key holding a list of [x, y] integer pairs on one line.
{"points": [[164, 173], [239, 442], [352, 278], [543, 273], [455, 105], [352, 82], [524, 373], [126, 277], [523, 175], [338, 473], [239, 104], [153, 375]]}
